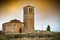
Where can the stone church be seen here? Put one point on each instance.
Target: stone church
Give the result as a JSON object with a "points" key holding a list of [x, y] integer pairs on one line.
{"points": [[16, 27]]}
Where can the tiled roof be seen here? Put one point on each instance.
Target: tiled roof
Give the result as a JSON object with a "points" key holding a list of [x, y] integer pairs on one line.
{"points": [[15, 21]]}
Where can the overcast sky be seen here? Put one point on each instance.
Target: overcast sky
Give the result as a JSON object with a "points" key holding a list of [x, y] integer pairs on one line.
{"points": [[45, 12]]}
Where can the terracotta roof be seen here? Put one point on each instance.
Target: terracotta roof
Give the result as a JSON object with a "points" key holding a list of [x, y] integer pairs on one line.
{"points": [[15, 21]]}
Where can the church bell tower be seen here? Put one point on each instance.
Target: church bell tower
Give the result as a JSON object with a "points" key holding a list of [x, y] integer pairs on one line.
{"points": [[29, 18]]}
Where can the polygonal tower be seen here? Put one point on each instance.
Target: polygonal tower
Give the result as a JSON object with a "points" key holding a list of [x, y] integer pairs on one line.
{"points": [[29, 18]]}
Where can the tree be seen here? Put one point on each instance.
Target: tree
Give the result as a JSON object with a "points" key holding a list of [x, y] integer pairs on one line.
{"points": [[48, 28]]}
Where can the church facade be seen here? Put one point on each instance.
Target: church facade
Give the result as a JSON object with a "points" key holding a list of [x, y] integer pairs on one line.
{"points": [[17, 27]]}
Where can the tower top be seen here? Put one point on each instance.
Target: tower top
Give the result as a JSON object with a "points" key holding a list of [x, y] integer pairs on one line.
{"points": [[28, 6]]}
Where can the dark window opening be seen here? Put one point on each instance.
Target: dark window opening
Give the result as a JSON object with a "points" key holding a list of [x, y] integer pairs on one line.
{"points": [[20, 30], [30, 9]]}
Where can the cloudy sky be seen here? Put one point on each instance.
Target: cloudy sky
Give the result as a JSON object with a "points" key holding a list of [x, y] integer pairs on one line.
{"points": [[46, 12]]}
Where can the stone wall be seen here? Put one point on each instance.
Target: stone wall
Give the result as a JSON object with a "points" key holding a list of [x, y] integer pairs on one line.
{"points": [[35, 39], [36, 36]]}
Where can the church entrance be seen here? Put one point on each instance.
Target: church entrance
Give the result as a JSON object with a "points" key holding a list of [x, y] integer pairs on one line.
{"points": [[20, 30]]}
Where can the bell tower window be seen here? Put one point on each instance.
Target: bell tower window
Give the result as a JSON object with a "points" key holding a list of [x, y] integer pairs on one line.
{"points": [[30, 10]]}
